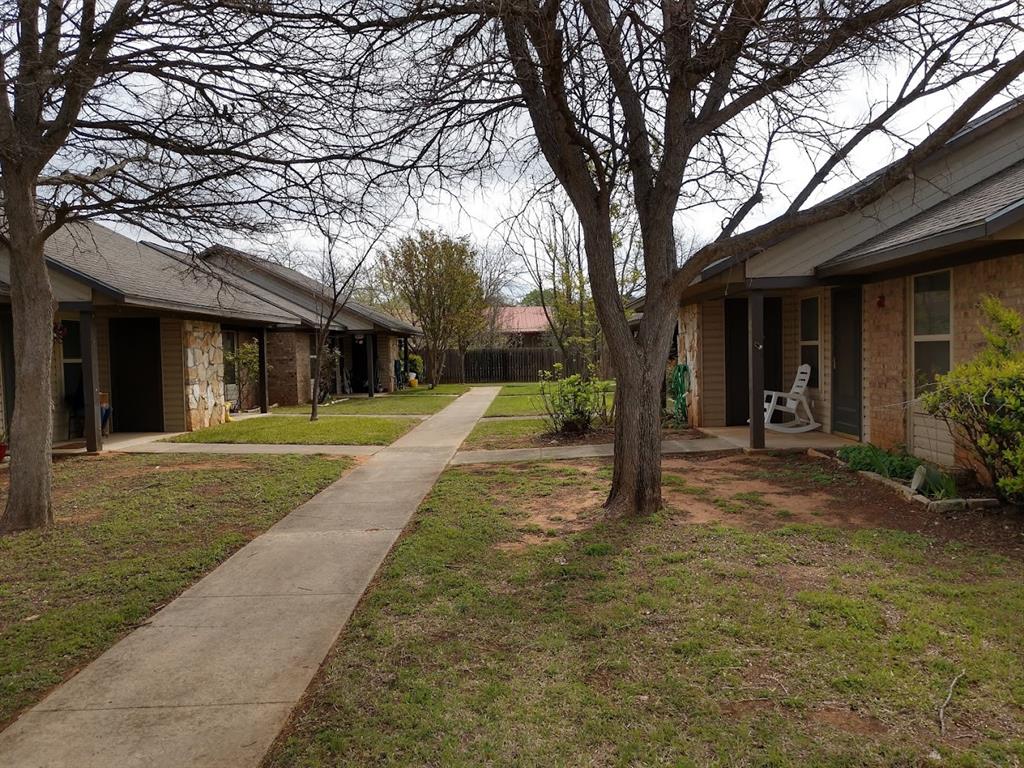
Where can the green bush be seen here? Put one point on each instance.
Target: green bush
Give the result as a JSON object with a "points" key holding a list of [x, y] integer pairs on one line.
{"points": [[871, 458], [416, 365], [571, 403], [983, 399], [898, 466]]}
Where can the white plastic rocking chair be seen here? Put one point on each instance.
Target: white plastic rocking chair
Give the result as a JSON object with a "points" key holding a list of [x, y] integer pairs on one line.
{"points": [[791, 402]]}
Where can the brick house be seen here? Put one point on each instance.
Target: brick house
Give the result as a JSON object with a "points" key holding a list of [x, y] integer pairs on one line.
{"points": [[373, 345], [138, 336], [877, 301]]}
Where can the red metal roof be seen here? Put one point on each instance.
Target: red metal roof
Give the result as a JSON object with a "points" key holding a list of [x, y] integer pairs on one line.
{"points": [[522, 320]]}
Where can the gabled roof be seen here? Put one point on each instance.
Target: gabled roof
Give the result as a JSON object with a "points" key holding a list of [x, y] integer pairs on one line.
{"points": [[979, 211], [975, 130], [314, 289], [521, 320], [298, 313], [140, 275]]}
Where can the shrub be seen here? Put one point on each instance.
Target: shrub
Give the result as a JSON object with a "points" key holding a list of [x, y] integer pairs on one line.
{"points": [[984, 398], [871, 458], [571, 403], [898, 466], [245, 361], [416, 365]]}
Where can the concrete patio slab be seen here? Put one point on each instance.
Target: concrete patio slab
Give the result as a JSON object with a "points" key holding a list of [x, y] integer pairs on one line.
{"points": [[739, 437], [210, 680]]}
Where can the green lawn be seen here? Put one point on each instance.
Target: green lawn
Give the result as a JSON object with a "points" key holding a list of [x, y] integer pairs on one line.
{"points": [[132, 531], [511, 626], [294, 430], [381, 404], [516, 405], [527, 388]]}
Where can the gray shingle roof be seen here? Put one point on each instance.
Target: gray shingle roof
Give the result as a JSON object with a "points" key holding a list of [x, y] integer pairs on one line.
{"points": [[143, 276], [299, 315], [305, 282], [975, 212]]}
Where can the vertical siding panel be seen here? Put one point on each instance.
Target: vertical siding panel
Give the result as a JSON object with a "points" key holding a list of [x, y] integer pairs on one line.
{"points": [[712, 363], [172, 364]]}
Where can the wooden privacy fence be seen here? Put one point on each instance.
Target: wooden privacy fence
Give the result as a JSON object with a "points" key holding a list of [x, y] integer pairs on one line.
{"points": [[506, 364]]}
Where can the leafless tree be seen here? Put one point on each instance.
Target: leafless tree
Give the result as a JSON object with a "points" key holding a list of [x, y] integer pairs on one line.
{"points": [[183, 118], [670, 105], [336, 273]]}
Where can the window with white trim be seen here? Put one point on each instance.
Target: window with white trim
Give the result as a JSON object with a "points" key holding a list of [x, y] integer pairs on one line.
{"points": [[810, 337], [932, 328]]}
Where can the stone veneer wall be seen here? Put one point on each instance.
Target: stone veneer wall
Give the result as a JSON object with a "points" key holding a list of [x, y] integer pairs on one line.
{"points": [[204, 374], [387, 353]]}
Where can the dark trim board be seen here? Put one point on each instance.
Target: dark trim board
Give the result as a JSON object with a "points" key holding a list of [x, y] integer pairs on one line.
{"points": [[847, 351]]}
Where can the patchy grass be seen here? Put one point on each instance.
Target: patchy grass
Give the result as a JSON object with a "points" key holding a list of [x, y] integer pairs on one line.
{"points": [[490, 434], [440, 389], [504, 433], [516, 405], [380, 404], [292, 430], [528, 388], [131, 532], [513, 626]]}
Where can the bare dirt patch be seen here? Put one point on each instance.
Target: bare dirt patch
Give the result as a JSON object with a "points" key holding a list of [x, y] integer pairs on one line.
{"points": [[847, 720], [768, 491]]}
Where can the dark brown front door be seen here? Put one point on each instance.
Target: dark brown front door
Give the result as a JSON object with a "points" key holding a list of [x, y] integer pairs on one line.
{"points": [[737, 364], [846, 360], [136, 394]]}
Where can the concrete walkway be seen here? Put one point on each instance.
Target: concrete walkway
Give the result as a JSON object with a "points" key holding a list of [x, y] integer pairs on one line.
{"points": [[601, 450], [211, 679]]}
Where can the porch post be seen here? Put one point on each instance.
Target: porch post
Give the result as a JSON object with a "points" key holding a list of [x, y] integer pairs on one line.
{"points": [[405, 361], [371, 374], [264, 379], [755, 309], [90, 383]]}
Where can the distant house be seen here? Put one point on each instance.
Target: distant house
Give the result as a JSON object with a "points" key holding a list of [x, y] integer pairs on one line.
{"points": [[877, 302], [523, 326], [141, 330]]}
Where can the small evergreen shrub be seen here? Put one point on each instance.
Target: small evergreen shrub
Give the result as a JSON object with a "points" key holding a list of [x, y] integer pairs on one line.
{"points": [[983, 399]]}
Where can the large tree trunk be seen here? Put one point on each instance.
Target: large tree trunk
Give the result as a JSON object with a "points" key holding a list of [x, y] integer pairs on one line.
{"points": [[32, 306], [636, 478]]}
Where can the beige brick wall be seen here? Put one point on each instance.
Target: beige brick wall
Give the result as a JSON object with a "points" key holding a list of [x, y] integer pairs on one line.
{"points": [[288, 358], [886, 363], [1002, 278]]}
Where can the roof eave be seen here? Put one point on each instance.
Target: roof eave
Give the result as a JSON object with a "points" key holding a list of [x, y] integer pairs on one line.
{"points": [[988, 227]]}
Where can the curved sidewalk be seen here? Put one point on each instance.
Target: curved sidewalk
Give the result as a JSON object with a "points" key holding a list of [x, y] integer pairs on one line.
{"points": [[211, 679]]}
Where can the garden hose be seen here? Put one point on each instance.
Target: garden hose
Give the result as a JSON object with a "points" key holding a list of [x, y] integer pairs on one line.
{"points": [[680, 386]]}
